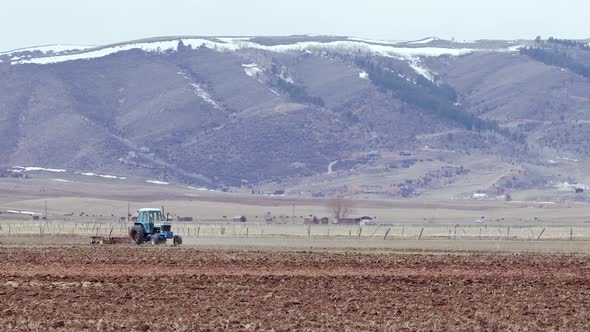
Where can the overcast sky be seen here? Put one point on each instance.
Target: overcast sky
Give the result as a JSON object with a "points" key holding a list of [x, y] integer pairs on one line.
{"points": [[40, 22]]}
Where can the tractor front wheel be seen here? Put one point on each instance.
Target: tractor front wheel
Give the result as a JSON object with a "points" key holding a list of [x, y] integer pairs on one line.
{"points": [[155, 239], [137, 234], [177, 240]]}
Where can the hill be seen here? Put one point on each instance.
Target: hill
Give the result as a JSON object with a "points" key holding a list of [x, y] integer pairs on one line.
{"points": [[312, 115]]}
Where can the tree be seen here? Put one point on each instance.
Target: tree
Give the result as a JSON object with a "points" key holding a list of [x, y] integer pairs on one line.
{"points": [[339, 207], [180, 47]]}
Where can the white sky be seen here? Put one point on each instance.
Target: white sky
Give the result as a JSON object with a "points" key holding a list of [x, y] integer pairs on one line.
{"points": [[40, 22]]}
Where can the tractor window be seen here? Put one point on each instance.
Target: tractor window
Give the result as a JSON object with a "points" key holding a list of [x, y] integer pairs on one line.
{"points": [[155, 216]]}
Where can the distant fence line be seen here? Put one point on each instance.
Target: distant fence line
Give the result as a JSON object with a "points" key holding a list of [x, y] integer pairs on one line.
{"points": [[335, 231]]}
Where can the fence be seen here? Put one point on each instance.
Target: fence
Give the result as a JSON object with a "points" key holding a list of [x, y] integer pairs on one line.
{"points": [[261, 230]]}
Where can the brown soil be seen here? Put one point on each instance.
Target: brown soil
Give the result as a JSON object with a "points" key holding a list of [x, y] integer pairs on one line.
{"points": [[174, 288]]}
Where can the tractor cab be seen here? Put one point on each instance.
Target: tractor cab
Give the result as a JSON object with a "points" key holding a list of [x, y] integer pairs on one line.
{"points": [[151, 226], [148, 218]]}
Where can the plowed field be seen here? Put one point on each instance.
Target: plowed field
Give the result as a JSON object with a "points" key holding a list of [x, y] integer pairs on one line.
{"points": [[174, 288]]}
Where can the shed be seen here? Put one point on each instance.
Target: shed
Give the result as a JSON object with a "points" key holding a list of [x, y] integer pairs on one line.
{"points": [[240, 219]]}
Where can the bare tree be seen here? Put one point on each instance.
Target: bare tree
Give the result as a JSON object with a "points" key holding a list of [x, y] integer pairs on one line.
{"points": [[339, 207]]}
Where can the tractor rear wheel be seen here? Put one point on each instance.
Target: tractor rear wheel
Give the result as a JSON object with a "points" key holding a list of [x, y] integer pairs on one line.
{"points": [[177, 240], [137, 234]]}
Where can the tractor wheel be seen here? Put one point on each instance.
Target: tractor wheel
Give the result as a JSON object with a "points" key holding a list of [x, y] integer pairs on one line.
{"points": [[155, 239], [177, 240], [137, 234]]}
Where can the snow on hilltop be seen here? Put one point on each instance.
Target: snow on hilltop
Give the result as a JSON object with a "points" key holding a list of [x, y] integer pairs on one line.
{"points": [[49, 49], [423, 41], [234, 44], [411, 52]]}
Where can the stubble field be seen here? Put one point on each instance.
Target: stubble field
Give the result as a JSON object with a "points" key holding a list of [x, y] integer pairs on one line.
{"points": [[144, 288]]}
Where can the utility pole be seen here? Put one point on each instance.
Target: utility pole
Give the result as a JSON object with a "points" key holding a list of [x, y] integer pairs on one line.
{"points": [[45, 210], [128, 210]]}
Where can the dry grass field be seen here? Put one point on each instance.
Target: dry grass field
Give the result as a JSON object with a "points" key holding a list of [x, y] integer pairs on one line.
{"points": [[99, 201]]}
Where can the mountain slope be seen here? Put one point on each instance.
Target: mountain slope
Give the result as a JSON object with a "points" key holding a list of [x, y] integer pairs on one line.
{"points": [[247, 111]]}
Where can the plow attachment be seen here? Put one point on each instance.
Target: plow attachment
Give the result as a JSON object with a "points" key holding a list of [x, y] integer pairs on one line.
{"points": [[109, 240]]}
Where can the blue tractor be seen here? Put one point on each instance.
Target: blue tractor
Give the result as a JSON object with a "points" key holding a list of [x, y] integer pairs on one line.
{"points": [[151, 226]]}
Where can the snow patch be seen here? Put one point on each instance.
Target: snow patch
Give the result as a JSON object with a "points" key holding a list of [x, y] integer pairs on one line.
{"points": [[49, 49], [61, 180], [22, 212], [532, 202], [287, 78], [415, 64], [252, 70], [364, 75], [155, 47], [228, 44], [568, 159], [34, 169], [235, 44], [566, 186], [200, 188], [233, 39], [205, 95], [424, 41], [480, 195], [157, 182], [374, 41], [199, 91], [104, 176]]}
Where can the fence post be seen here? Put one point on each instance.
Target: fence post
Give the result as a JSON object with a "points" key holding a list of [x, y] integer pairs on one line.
{"points": [[508, 233], [421, 231], [376, 230], [571, 233], [543, 231], [308, 231], [386, 233]]}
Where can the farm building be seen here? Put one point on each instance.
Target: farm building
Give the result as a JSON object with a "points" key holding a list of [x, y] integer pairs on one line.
{"points": [[311, 220], [239, 219], [315, 220], [364, 220]]}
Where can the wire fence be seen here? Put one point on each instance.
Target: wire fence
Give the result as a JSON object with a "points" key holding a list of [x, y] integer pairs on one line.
{"points": [[262, 230]]}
